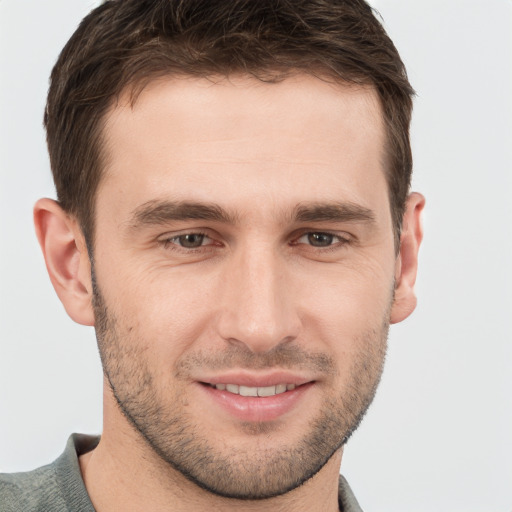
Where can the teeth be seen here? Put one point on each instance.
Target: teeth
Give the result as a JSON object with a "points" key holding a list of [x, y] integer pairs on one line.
{"points": [[232, 388], [267, 391], [247, 391], [255, 391]]}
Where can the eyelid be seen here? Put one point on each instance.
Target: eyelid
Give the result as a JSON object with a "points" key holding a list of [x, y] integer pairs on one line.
{"points": [[342, 237], [170, 239]]}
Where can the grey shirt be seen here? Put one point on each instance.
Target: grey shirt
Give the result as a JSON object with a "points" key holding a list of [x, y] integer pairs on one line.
{"points": [[58, 487]]}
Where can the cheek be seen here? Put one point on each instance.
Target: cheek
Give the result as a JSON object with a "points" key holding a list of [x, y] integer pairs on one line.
{"points": [[347, 303], [165, 310]]}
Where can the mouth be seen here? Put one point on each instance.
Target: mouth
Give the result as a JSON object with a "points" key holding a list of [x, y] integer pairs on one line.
{"points": [[259, 391], [256, 399]]}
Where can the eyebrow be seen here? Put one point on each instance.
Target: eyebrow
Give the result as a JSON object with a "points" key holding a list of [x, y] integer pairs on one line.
{"points": [[159, 212], [163, 211], [333, 212]]}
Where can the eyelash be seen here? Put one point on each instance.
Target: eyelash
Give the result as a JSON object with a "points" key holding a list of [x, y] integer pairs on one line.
{"points": [[170, 243], [341, 240]]}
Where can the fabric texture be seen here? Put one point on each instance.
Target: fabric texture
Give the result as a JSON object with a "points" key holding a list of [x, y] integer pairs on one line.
{"points": [[58, 487]]}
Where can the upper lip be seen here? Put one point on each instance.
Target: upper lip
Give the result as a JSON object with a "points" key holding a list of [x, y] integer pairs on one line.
{"points": [[256, 380]]}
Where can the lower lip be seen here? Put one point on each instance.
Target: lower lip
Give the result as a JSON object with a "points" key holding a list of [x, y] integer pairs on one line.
{"points": [[257, 409]]}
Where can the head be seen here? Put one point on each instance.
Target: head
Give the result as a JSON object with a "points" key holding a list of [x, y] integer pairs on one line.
{"points": [[234, 219]]}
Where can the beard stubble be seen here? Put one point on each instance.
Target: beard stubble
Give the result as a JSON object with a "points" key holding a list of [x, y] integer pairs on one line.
{"points": [[166, 426]]}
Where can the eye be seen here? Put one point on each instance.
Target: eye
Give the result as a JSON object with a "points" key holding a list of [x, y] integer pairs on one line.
{"points": [[320, 239], [189, 240]]}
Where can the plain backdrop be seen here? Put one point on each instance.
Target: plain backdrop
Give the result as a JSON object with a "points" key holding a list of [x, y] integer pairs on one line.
{"points": [[438, 436]]}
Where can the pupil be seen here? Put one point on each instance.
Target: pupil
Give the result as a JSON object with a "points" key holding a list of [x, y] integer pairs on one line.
{"points": [[320, 239], [191, 240]]}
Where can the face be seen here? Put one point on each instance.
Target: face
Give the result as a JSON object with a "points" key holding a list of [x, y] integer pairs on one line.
{"points": [[244, 270]]}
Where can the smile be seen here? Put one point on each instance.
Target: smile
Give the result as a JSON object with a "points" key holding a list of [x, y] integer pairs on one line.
{"points": [[253, 398], [263, 391]]}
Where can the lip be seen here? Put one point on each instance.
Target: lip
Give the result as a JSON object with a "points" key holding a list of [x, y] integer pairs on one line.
{"points": [[256, 409]]}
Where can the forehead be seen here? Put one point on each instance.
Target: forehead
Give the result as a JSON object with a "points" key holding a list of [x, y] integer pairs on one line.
{"points": [[239, 139]]}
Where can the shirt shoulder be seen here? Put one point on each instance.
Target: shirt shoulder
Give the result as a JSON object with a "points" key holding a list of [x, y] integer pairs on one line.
{"points": [[57, 487], [33, 491]]}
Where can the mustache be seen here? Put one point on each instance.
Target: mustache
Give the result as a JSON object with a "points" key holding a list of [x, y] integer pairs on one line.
{"points": [[285, 356]]}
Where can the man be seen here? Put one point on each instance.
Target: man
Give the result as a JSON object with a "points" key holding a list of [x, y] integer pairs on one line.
{"points": [[234, 218]]}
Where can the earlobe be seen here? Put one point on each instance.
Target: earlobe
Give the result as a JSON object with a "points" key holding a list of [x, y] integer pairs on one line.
{"points": [[407, 261], [66, 257]]}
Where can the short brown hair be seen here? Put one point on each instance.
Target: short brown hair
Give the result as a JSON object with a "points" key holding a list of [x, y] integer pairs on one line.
{"points": [[127, 43]]}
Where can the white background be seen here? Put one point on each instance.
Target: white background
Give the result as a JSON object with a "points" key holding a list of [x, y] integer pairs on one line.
{"points": [[439, 435]]}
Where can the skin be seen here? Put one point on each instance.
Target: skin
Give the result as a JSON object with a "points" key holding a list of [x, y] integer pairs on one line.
{"points": [[299, 275]]}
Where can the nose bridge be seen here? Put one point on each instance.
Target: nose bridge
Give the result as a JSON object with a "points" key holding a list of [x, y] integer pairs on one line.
{"points": [[257, 309]]}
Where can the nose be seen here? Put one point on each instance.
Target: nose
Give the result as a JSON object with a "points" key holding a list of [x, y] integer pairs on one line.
{"points": [[257, 302]]}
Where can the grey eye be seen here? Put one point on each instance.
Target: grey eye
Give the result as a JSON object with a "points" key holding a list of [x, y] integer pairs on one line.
{"points": [[320, 239], [190, 241]]}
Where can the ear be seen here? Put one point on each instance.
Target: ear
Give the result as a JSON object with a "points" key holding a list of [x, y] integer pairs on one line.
{"points": [[66, 257], [407, 261]]}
